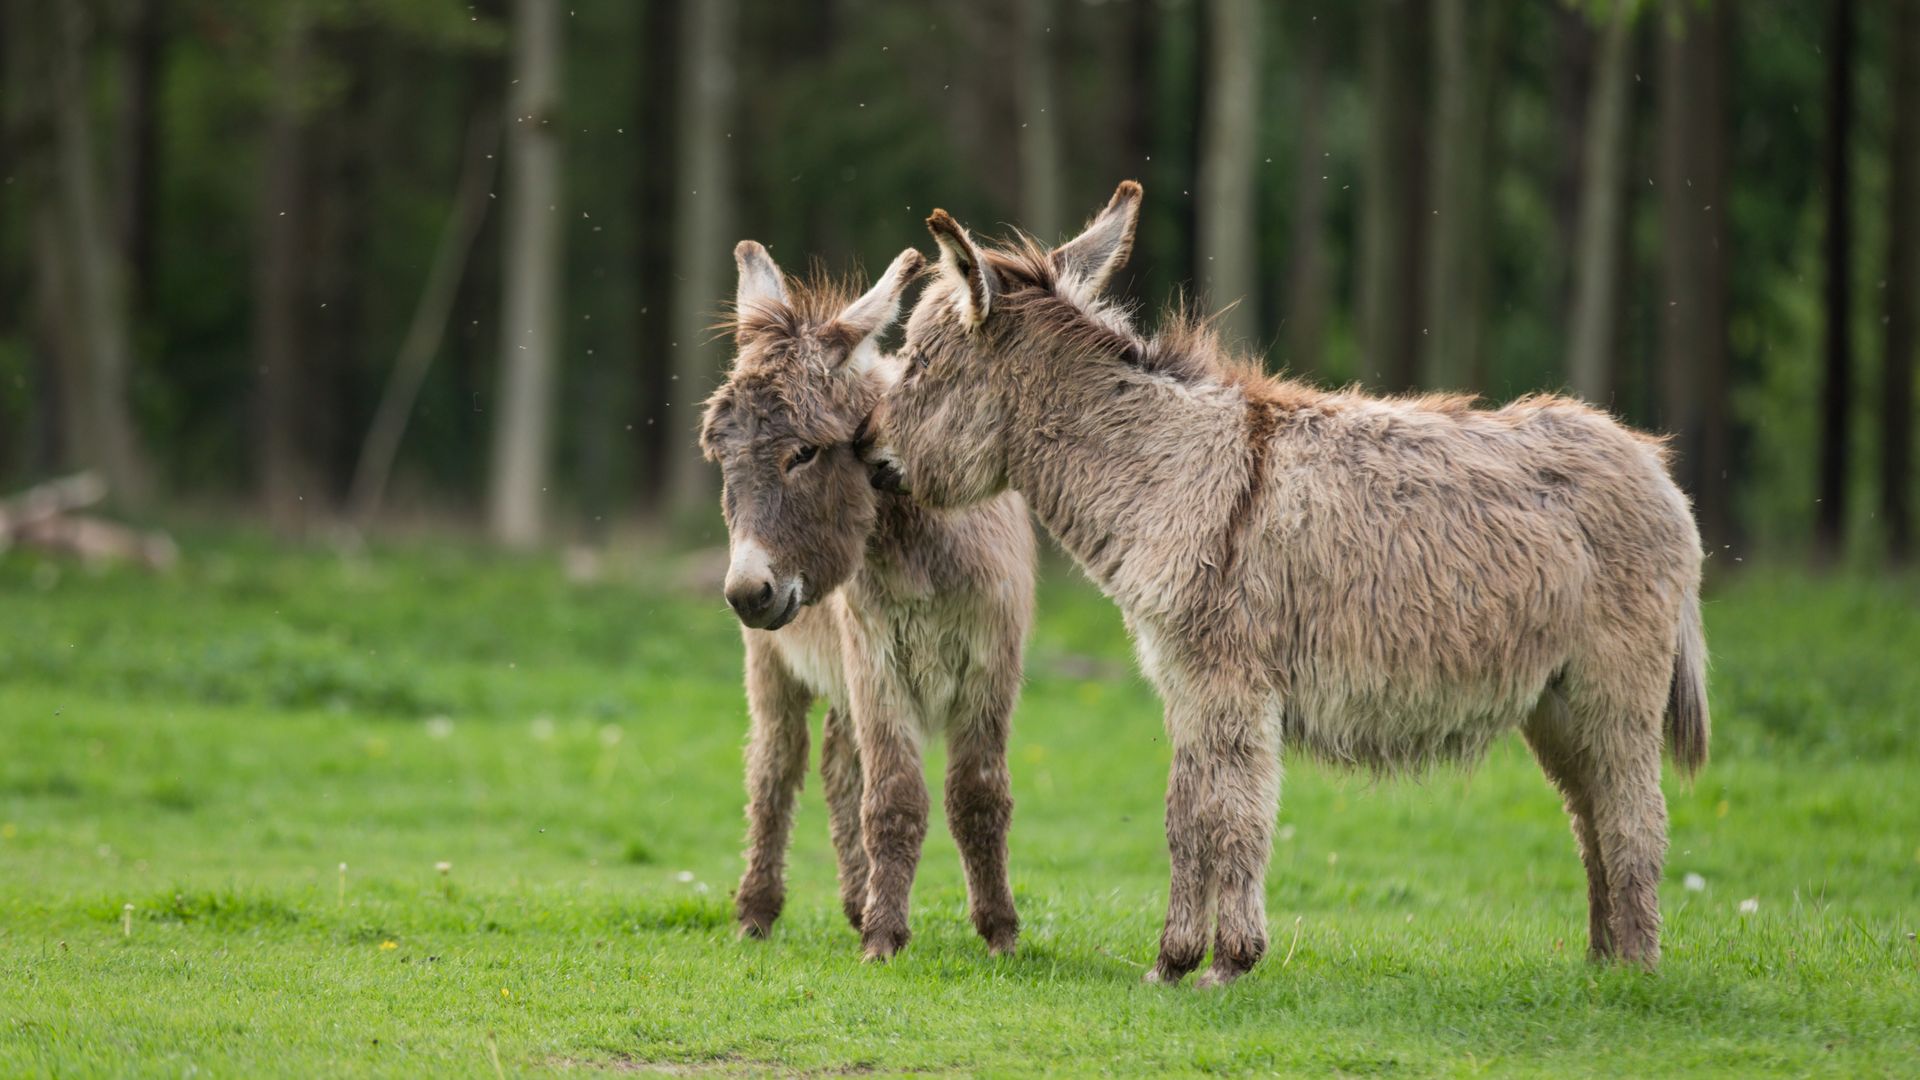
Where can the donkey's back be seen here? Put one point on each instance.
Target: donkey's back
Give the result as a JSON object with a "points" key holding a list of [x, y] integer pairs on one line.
{"points": [[1439, 571]]}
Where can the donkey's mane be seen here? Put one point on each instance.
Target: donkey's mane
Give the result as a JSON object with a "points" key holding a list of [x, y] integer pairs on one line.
{"points": [[813, 303], [1187, 347]]}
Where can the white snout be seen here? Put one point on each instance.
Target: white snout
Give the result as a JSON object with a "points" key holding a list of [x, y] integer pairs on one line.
{"points": [[762, 600]]}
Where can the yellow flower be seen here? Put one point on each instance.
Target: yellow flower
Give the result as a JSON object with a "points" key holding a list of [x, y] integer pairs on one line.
{"points": [[1721, 810], [505, 993], [9, 831], [389, 945]]}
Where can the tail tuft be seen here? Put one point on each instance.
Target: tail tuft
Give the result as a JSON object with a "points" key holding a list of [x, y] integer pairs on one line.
{"points": [[1688, 725]]}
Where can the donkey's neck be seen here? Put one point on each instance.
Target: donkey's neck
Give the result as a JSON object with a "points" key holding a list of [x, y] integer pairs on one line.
{"points": [[1134, 473]]}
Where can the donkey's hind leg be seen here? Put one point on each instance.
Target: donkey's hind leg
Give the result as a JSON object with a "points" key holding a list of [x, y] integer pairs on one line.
{"points": [[1616, 730], [841, 776], [776, 765], [893, 817], [1571, 773], [980, 810]]}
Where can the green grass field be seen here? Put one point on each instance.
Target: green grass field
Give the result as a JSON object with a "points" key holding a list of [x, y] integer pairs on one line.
{"points": [[210, 747]]}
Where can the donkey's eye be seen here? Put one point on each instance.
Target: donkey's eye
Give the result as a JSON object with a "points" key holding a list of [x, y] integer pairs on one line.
{"points": [[919, 359], [802, 456]]}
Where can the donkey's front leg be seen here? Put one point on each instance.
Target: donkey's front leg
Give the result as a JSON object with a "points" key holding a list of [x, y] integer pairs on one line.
{"points": [[1237, 814], [776, 766], [1221, 799], [1183, 940], [893, 809]]}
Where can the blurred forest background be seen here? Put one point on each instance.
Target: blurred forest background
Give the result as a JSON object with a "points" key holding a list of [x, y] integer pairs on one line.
{"points": [[371, 262]]}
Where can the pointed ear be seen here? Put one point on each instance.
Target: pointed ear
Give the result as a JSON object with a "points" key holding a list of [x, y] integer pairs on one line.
{"points": [[867, 318], [1089, 260], [761, 282], [960, 258]]}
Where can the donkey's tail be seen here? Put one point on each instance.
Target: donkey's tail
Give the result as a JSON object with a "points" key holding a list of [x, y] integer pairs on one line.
{"points": [[1687, 722]]}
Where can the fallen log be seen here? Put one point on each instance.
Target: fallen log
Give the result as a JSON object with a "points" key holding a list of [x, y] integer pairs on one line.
{"points": [[49, 500], [43, 517]]}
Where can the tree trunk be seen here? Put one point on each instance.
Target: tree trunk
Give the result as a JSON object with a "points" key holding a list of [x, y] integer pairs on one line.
{"points": [[1393, 214], [1694, 352], [1039, 132], [1836, 388], [702, 243], [428, 327], [1229, 140], [656, 110], [1304, 309], [139, 139], [531, 335], [1596, 248], [1464, 62], [281, 287], [1570, 79], [343, 196], [96, 286], [1903, 288]]}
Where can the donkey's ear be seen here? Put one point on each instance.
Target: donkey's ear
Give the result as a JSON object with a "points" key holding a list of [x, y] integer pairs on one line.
{"points": [[960, 258], [867, 318], [761, 282], [1089, 260]]}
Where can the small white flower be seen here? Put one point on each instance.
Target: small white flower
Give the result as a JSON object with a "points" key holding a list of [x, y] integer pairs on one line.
{"points": [[1696, 883], [439, 727], [444, 867], [684, 876], [610, 735], [1286, 833], [1750, 905], [541, 728]]}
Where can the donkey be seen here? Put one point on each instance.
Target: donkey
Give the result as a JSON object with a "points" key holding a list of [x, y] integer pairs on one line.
{"points": [[1385, 582], [909, 622]]}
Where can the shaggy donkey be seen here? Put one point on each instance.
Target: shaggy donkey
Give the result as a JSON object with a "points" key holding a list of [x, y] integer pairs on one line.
{"points": [[909, 621], [1383, 582]]}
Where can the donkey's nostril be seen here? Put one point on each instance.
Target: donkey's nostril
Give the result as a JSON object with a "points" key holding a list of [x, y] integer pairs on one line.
{"points": [[750, 601]]}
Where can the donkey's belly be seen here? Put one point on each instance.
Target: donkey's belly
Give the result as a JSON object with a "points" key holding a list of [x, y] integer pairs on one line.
{"points": [[1378, 719], [1391, 732]]}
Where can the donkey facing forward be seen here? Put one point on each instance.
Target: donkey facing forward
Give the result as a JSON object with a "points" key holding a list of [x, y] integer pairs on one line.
{"points": [[1384, 582], [909, 622]]}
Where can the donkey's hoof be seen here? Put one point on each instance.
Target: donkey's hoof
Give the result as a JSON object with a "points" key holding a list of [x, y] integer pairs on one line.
{"points": [[880, 945], [756, 914], [1216, 976], [1001, 935]]}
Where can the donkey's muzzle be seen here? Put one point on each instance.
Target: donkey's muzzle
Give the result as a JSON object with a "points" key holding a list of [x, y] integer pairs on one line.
{"points": [[882, 471], [886, 476], [761, 606]]}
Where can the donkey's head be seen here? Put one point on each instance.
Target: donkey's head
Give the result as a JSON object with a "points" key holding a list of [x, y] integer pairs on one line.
{"points": [[942, 429], [806, 373]]}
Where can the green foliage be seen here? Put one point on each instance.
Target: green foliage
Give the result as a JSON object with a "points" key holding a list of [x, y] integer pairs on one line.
{"points": [[583, 783], [850, 125]]}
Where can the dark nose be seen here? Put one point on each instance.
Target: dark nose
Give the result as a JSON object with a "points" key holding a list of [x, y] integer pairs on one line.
{"points": [[885, 477], [750, 599]]}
